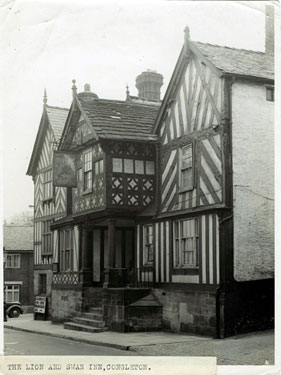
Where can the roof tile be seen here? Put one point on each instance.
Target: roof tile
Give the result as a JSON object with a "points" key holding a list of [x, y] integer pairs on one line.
{"points": [[57, 117], [113, 119], [18, 237], [239, 61]]}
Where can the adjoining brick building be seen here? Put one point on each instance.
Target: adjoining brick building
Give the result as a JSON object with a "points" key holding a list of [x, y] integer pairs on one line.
{"points": [[169, 208], [18, 260]]}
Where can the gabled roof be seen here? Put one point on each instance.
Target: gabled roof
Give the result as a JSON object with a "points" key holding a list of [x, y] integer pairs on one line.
{"points": [[17, 237], [55, 117], [238, 61], [113, 119], [225, 60]]}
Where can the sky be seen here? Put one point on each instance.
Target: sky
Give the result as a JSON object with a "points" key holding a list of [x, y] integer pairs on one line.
{"points": [[46, 44]]}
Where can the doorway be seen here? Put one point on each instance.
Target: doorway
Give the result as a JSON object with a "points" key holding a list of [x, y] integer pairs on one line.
{"points": [[124, 251]]}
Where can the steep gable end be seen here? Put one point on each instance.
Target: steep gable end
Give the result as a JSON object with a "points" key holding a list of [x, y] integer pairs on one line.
{"points": [[195, 104], [51, 126]]}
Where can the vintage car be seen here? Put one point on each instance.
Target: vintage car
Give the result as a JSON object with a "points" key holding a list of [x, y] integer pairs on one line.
{"points": [[13, 309]]}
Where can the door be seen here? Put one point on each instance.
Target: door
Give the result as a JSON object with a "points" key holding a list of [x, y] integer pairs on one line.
{"points": [[124, 251]]}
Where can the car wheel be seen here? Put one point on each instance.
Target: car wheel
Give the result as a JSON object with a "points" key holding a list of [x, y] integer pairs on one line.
{"points": [[14, 313]]}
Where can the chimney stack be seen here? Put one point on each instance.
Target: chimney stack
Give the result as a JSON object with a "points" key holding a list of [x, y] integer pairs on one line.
{"points": [[148, 84], [269, 29]]}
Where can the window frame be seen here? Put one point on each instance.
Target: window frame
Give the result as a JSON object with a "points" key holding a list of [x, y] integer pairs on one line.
{"points": [[13, 264], [270, 97], [183, 188], [148, 247], [47, 234], [98, 166], [147, 166], [66, 250], [13, 290], [48, 185], [87, 189], [178, 238]]}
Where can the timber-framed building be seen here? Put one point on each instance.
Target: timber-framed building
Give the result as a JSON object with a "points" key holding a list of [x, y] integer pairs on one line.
{"points": [[168, 215]]}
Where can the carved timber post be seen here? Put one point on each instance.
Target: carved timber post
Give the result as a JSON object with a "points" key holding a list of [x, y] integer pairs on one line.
{"points": [[85, 269]]}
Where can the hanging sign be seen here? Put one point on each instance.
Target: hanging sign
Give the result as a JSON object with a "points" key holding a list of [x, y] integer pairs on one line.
{"points": [[64, 169]]}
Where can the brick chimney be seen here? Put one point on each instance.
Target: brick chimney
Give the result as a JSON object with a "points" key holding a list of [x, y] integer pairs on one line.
{"points": [[269, 29], [148, 84]]}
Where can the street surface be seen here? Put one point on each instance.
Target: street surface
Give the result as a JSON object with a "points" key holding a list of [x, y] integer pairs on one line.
{"points": [[25, 343], [255, 348]]}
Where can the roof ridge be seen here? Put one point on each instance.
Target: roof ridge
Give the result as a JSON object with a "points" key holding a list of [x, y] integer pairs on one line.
{"points": [[16, 225], [121, 102], [232, 48]]}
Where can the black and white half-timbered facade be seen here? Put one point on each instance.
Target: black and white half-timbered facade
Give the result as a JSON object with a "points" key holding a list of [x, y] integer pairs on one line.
{"points": [[167, 220], [49, 201]]}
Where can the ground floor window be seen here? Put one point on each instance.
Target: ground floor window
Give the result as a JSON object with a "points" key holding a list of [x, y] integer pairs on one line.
{"points": [[12, 293], [66, 250], [186, 239]]}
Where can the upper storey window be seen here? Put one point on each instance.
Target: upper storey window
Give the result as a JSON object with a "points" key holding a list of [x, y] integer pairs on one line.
{"points": [[186, 167], [87, 171], [48, 184], [120, 165]]}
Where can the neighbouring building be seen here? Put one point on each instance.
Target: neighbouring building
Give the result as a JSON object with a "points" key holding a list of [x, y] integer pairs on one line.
{"points": [[168, 211], [18, 262], [49, 202]]}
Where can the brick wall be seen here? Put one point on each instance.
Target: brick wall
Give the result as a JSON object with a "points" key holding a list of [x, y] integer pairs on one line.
{"points": [[188, 311], [253, 180], [24, 274]]}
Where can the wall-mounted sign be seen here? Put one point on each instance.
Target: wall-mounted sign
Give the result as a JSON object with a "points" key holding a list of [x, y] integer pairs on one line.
{"points": [[64, 169], [40, 304]]}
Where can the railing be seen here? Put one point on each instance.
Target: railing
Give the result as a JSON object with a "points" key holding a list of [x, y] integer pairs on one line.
{"points": [[66, 278]]}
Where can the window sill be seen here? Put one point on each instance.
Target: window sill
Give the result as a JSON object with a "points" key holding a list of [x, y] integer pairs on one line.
{"points": [[47, 253], [186, 267]]}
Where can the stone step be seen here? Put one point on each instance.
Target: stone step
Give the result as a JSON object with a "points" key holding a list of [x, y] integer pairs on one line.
{"points": [[89, 315], [89, 322], [82, 327], [96, 310]]}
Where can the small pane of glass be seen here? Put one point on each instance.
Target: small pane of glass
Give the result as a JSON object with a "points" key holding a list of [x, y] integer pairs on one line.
{"points": [[187, 156], [149, 167], [117, 165], [139, 166], [128, 166]]}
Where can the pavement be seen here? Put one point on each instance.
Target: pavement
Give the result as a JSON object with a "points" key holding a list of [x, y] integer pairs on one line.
{"points": [[250, 349], [108, 338]]}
